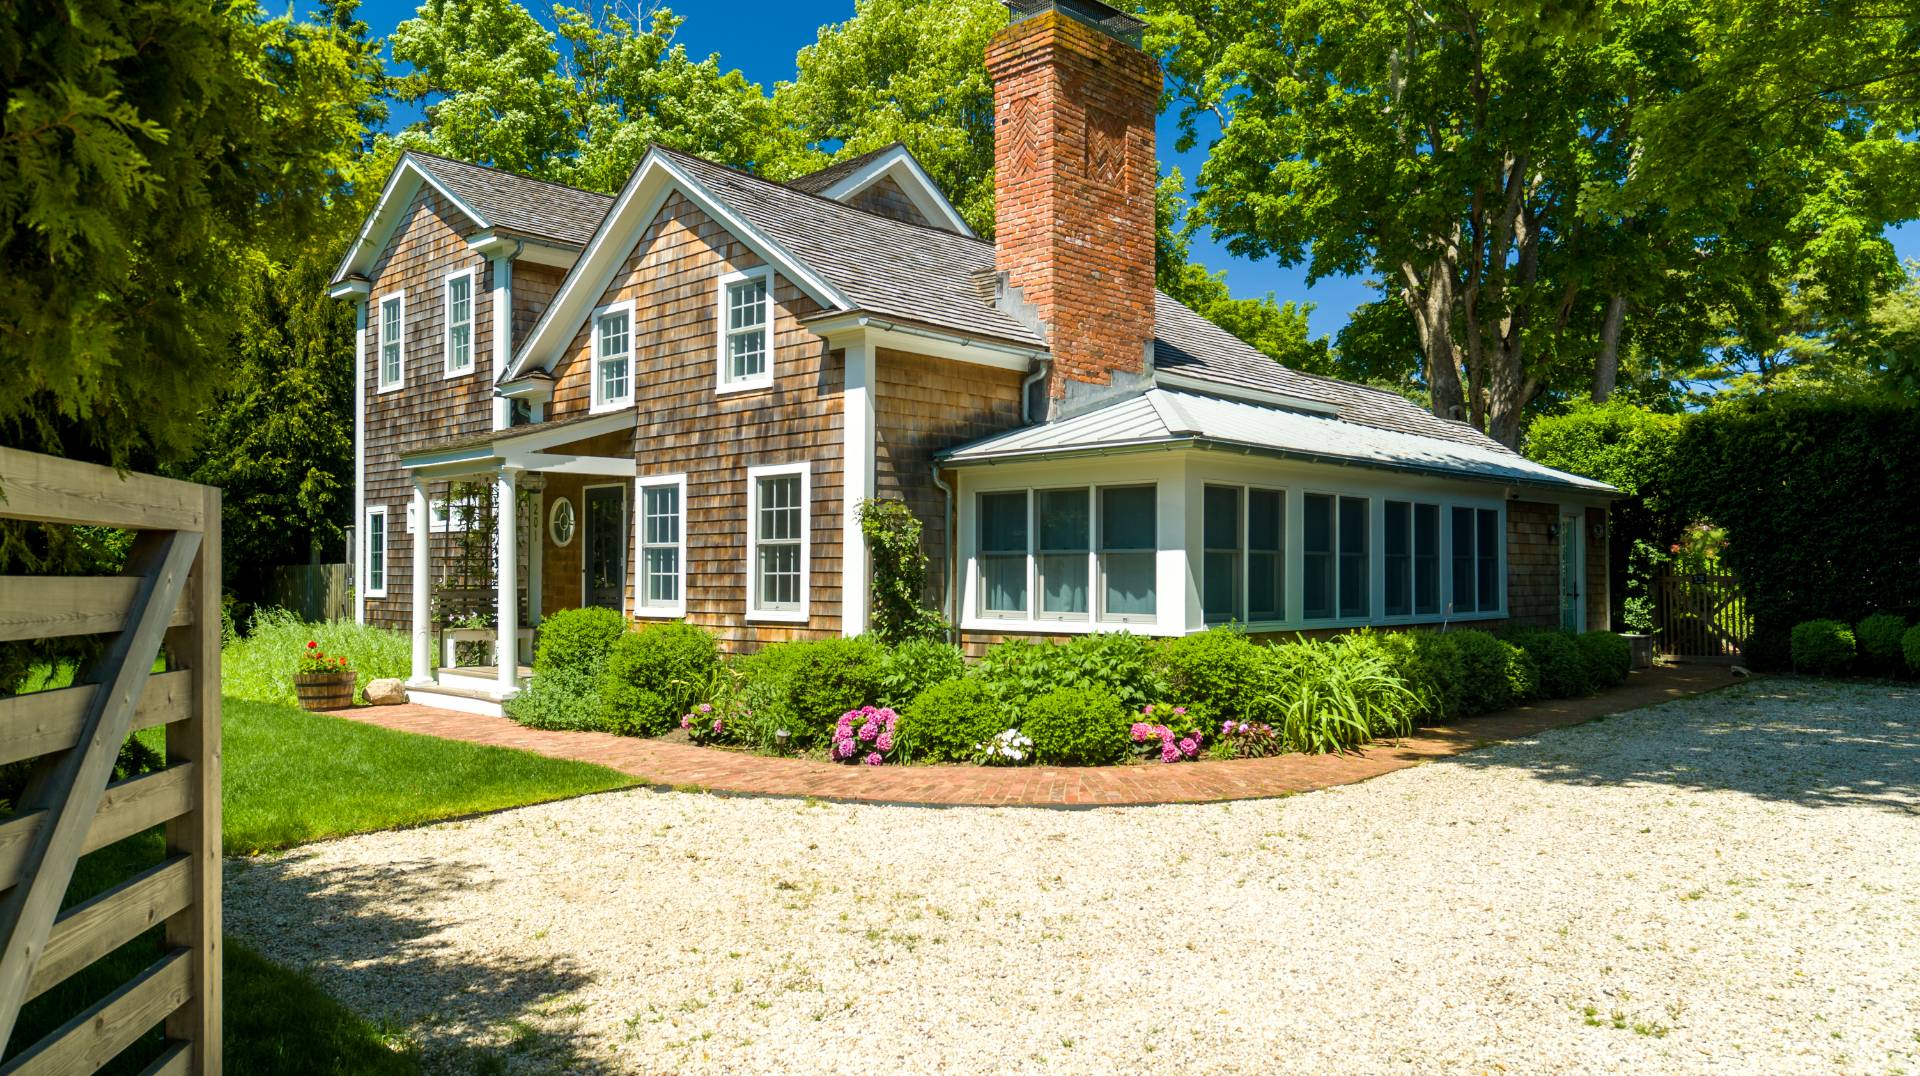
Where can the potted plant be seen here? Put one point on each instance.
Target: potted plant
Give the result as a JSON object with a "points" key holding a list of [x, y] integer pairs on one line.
{"points": [[322, 682]]}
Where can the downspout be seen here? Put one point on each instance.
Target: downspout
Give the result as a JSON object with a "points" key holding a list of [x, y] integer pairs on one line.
{"points": [[948, 557], [1041, 367]]}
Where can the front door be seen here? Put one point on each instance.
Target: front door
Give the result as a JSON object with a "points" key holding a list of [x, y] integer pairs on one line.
{"points": [[1572, 614], [604, 553]]}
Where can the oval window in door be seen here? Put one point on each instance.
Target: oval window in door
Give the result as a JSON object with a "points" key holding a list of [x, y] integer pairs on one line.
{"points": [[560, 523]]}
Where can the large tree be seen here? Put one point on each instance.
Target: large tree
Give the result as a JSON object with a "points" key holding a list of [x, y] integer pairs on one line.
{"points": [[1510, 173]]}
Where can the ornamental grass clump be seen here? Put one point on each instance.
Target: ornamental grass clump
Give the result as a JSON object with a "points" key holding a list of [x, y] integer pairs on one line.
{"points": [[1332, 697], [864, 735]]}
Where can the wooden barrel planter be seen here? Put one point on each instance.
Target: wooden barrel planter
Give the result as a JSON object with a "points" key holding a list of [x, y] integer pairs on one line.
{"points": [[324, 691]]}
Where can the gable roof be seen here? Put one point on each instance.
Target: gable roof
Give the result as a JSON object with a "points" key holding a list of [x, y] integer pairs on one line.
{"points": [[825, 178], [842, 181], [1160, 418], [490, 198]]}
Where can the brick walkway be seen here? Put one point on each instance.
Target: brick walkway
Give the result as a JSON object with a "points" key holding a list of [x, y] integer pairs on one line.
{"points": [[681, 765]]}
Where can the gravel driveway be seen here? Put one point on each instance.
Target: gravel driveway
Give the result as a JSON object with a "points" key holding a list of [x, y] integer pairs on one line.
{"points": [[1729, 883]]}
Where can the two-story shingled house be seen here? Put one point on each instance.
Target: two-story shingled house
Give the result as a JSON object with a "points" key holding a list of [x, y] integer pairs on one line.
{"points": [[686, 389]]}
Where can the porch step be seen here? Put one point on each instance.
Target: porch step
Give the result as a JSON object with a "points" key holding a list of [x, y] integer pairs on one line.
{"points": [[461, 699], [485, 681]]}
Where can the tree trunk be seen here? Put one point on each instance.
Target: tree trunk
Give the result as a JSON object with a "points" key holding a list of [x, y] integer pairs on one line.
{"points": [[1606, 370], [1431, 304]]}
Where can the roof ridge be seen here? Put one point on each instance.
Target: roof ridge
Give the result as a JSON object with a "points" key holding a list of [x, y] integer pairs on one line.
{"points": [[820, 197], [506, 172], [847, 165]]}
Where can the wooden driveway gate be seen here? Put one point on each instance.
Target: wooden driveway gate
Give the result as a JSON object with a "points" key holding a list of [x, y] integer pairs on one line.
{"points": [[169, 594], [1703, 616]]}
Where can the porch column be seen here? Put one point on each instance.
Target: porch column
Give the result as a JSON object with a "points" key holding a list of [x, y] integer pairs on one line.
{"points": [[422, 618], [501, 298], [506, 582], [858, 481]]}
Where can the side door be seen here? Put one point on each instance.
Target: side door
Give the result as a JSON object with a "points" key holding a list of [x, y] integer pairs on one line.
{"points": [[604, 552]]}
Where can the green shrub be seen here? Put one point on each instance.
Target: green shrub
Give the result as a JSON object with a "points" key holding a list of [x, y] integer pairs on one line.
{"points": [[1879, 638], [1219, 670], [260, 665], [1563, 671], [912, 667], [1121, 663], [1822, 647], [1910, 646], [1330, 695], [946, 721], [1494, 674], [1608, 658], [804, 687], [563, 698], [1077, 726], [652, 675], [1430, 664], [578, 639]]}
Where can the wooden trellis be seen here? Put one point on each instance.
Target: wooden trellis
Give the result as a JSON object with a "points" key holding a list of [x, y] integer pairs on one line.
{"points": [[168, 595]]}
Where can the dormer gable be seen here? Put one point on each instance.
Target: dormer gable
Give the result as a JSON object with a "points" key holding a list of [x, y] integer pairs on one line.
{"points": [[888, 182]]}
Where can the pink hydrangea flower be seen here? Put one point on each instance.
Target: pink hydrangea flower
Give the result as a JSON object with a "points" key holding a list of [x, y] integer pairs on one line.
{"points": [[884, 741], [873, 758], [1188, 747], [1169, 753]]}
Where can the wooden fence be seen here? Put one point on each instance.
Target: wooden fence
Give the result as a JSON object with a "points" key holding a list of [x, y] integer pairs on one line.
{"points": [[168, 595], [1702, 616], [314, 591]]}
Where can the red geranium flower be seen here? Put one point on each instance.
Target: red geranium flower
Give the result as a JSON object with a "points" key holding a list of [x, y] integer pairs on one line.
{"points": [[311, 644]]}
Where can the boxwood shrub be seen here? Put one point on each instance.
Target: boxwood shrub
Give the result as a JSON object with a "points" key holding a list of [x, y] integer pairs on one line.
{"points": [[1563, 671], [578, 639], [1608, 658], [945, 722], [1077, 726], [653, 675], [1822, 647], [1219, 670], [1879, 639], [1494, 673], [804, 687]]}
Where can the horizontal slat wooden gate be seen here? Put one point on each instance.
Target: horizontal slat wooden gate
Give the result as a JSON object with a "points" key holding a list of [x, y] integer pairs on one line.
{"points": [[1702, 616], [169, 594]]}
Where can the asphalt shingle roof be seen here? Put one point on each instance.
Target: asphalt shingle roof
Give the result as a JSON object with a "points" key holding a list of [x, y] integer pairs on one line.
{"points": [[521, 204]]}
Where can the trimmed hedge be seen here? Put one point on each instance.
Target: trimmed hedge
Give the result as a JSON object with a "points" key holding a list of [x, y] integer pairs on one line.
{"points": [[652, 676], [578, 639], [1822, 647], [945, 722], [1879, 639], [1077, 726], [1910, 647], [1563, 670], [1608, 658], [1219, 670]]}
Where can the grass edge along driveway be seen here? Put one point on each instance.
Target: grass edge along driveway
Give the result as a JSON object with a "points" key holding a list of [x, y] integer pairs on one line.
{"points": [[289, 778]]}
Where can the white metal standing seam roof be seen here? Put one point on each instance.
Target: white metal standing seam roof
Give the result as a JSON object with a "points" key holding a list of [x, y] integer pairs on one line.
{"points": [[1163, 417]]}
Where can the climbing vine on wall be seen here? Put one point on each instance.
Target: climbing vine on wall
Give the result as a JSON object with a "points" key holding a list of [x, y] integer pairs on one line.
{"points": [[899, 572]]}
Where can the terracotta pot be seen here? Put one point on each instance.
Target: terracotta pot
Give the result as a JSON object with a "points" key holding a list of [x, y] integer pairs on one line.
{"points": [[324, 691]]}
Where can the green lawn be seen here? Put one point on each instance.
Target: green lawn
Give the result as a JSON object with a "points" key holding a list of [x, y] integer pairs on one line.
{"points": [[292, 777]]}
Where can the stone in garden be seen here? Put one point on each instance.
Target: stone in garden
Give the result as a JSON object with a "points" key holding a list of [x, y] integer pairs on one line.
{"points": [[388, 692]]}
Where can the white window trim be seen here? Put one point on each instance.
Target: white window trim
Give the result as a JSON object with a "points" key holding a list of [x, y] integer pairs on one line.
{"points": [[1036, 600], [677, 609], [780, 616], [446, 323], [601, 404], [381, 384], [1098, 597], [366, 554], [721, 353]]}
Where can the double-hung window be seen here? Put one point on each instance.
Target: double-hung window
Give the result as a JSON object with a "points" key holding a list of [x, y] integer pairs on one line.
{"points": [[377, 552], [1003, 554], [1476, 560], [613, 357], [1412, 559], [663, 545], [1221, 560], [777, 542], [458, 311], [393, 319], [1128, 543], [746, 330], [1334, 568], [1066, 539]]}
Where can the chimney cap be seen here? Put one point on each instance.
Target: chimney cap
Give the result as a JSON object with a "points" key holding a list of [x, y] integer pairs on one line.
{"points": [[1107, 20]]}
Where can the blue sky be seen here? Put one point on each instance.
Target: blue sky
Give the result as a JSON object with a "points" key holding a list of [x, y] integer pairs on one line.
{"points": [[763, 45]]}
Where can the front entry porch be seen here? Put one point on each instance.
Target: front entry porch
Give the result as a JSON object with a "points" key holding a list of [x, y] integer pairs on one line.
{"points": [[486, 495]]}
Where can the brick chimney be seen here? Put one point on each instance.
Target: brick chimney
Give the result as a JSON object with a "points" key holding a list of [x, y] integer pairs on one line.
{"points": [[1074, 101]]}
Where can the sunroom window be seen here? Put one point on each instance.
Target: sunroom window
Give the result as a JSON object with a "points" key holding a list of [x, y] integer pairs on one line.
{"points": [[1412, 559], [1066, 528], [1266, 562], [1221, 564], [1476, 560], [1334, 557], [1128, 532], [1003, 553]]}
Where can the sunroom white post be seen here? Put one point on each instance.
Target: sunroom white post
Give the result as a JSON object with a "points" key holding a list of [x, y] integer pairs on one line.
{"points": [[422, 539], [857, 432], [506, 582]]}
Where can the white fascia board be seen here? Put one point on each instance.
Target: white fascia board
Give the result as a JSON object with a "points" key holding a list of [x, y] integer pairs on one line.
{"points": [[913, 179], [647, 191], [380, 223], [835, 329]]}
